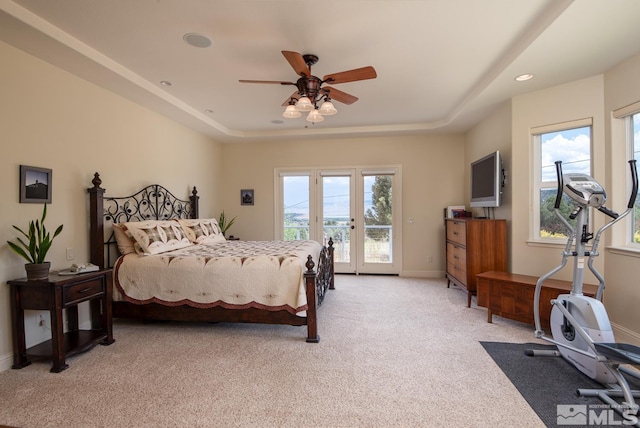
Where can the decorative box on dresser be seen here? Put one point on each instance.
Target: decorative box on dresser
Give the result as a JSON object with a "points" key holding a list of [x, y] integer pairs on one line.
{"points": [[474, 246]]}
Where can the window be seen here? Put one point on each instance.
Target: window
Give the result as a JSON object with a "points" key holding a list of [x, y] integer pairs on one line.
{"points": [[571, 144], [630, 116]]}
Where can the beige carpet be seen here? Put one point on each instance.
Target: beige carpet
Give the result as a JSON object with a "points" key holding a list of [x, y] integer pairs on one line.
{"points": [[393, 352]]}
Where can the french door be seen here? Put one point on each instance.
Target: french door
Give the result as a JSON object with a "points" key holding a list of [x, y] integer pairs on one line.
{"points": [[337, 220], [358, 208]]}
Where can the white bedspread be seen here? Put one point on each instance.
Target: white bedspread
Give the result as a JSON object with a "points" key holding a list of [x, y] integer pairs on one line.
{"points": [[232, 274]]}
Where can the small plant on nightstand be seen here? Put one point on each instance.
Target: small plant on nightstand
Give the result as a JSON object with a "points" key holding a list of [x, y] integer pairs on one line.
{"points": [[34, 250], [225, 224]]}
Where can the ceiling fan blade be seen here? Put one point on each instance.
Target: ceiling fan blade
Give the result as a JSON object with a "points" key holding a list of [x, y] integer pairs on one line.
{"points": [[363, 73], [297, 62], [277, 82], [286, 102], [338, 95]]}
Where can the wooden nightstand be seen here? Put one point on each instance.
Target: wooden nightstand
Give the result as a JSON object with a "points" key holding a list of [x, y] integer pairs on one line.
{"points": [[56, 294]]}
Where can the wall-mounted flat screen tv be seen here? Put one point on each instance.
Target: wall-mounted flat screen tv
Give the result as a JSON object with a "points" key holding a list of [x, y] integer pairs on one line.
{"points": [[486, 181]]}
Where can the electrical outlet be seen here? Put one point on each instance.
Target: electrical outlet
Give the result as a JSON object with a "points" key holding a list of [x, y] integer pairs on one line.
{"points": [[429, 259], [69, 253]]}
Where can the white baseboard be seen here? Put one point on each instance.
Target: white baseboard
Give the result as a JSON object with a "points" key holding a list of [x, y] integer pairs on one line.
{"points": [[422, 274], [6, 361], [624, 335]]}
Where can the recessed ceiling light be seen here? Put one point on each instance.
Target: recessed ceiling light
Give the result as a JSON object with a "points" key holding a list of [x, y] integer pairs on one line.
{"points": [[166, 83], [197, 40], [524, 77], [208, 111]]}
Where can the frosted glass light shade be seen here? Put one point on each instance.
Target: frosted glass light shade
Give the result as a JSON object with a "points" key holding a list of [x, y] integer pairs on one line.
{"points": [[314, 116], [291, 113], [304, 104], [327, 109]]}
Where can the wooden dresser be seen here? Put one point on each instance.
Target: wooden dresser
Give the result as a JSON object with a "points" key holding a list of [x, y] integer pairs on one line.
{"points": [[474, 246]]}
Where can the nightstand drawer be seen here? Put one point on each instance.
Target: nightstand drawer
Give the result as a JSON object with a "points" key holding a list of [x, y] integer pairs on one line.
{"points": [[83, 291]]}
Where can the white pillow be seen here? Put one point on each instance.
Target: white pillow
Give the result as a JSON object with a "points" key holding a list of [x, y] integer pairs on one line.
{"points": [[202, 230], [157, 236], [126, 243]]}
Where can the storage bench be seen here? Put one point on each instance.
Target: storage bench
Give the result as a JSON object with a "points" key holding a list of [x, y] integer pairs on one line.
{"points": [[510, 295]]}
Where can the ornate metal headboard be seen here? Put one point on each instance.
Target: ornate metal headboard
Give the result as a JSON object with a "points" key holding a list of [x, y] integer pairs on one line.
{"points": [[153, 202]]}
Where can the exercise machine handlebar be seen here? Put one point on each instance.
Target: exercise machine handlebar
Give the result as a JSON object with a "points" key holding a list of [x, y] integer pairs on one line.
{"points": [[560, 184], [634, 178]]}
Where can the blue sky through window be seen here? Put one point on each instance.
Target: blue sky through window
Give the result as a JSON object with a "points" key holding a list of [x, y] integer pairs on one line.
{"points": [[572, 147], [296, 195]]}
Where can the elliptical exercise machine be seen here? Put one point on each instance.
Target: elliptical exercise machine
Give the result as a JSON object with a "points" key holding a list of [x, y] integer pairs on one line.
{"points": [[579, 324]]}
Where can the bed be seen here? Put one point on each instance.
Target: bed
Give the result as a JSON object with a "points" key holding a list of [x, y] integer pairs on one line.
{"points": [[170, 265]]}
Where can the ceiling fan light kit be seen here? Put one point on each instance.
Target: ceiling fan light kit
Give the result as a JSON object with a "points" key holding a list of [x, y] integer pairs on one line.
{"points": [[310, 91], [327, 109], [314, 116], [291, 112], [304, 104]]}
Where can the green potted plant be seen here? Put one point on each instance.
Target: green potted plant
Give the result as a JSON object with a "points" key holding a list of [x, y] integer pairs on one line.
{"points": [[224, 224], [34, 249]]}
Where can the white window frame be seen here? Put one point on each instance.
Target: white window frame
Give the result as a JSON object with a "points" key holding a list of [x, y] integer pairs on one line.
{"points": [[537, 182], [623, 118]]}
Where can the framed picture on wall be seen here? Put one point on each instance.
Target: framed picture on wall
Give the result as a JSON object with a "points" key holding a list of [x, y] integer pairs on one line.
{"points": [[35, 185], [246, 197]]}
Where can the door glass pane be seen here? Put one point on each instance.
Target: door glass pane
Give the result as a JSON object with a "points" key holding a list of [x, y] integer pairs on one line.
{"points": [[336, 215], [378, 231], [295, 191]]}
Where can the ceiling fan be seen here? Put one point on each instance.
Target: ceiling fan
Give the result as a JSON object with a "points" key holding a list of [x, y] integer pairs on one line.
{"points": [[311, 91]]}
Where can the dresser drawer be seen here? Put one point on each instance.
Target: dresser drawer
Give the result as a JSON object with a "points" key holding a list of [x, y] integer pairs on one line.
{"points": [[457, 262], [458, 272], [456, 255], [83, 291], [457, 232]]}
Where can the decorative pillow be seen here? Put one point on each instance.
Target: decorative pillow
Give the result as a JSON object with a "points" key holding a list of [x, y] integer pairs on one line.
{"points": [[202, 230], [124, 240], [157, 236]]}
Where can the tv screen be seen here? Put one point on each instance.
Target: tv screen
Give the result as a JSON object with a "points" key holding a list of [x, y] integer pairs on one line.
{"points": [[486, 182]]}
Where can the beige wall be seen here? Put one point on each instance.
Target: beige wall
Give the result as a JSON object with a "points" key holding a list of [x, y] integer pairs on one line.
{"points": [[52, 119], [433, 178], [493, 133], [576, 100], [622, 297]]}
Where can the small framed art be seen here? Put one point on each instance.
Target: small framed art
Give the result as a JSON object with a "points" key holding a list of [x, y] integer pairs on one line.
{"points": [[246, 197], [35, 185]]}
